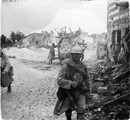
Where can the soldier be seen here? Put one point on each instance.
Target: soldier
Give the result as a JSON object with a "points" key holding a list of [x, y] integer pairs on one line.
{"points": [[6, 73], [73, 81], [51, 55], [83, 49]]}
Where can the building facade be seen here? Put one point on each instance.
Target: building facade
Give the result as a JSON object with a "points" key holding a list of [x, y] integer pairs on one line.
{"points": [[118, 23]]}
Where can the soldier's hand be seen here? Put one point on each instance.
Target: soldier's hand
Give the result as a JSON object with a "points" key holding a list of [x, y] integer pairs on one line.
{"points": [[74, 84]]}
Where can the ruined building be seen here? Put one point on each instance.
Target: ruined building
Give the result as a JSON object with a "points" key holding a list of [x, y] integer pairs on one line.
{"points": [[118, 16]]}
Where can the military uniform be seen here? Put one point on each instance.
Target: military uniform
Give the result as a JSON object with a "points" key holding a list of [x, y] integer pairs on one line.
{"points": [[70, 72], [6, 78], [51, 55], [5, 63]]}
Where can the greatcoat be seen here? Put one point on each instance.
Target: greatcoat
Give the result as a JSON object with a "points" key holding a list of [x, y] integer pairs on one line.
{"points": [[70, 72]]}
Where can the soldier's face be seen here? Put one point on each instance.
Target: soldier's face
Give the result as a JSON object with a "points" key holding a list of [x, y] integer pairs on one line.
{"points": [[76, 56]]}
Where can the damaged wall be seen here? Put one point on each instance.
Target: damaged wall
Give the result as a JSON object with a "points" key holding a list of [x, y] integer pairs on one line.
{"points": [[118, 30]]}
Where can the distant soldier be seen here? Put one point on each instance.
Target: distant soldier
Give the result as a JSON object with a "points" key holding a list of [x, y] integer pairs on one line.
{"points": [[115, 49], [6, 71], [73, 81], [121, 56], [51, 55], [83, 49], [112, 47]]}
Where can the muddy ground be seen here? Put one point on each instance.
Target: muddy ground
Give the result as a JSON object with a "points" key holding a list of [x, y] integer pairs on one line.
{"points": [[33, 95]]}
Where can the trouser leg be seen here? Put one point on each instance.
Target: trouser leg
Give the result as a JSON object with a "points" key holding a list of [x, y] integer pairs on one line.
{"points": [[80, 116], [81, 104], [68, 114], [9, 88]]}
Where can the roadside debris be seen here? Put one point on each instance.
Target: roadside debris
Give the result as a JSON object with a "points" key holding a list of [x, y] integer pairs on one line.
{"points": [[111, 87]]}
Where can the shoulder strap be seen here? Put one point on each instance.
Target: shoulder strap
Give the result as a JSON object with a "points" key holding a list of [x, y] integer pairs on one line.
{"points": [[84, 65], [70, 71]]}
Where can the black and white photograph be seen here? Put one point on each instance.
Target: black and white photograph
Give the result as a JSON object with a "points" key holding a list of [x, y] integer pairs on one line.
{"points": [[65, 60]]}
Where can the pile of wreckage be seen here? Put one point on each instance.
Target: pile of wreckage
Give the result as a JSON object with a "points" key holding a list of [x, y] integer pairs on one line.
{"points": [[67, 41], [110, 96]]}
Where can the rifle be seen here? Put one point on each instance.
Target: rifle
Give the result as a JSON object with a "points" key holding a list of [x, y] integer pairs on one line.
{"points": [[71, 100]]}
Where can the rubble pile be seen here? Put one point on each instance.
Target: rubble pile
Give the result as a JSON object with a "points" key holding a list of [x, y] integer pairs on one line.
{"points": [[65, 47], [111, 88], [66, 41]]}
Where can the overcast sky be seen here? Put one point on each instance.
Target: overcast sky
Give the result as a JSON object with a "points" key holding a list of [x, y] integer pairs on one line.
{"points": [[38, 15]]}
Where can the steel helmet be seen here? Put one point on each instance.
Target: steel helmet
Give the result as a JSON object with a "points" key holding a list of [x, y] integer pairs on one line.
{"points": [[76, 49]]}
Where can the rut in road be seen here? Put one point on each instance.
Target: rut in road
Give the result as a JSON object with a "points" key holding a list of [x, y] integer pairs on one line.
{"points": [[33, 92]]}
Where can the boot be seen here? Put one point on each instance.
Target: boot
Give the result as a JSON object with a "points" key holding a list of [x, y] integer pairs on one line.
{"points": [[9, 89], [68, 114], [80, 116]]}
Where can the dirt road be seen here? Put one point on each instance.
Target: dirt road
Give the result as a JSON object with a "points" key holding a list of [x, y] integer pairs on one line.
{"points": [[33, 92], [34, 88]]}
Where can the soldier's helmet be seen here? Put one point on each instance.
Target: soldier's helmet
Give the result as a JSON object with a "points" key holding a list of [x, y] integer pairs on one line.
{"points": [[76, 49]]}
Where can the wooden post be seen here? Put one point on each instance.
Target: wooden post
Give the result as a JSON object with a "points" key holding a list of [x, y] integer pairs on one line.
{"points": [[97, 40], [59, 55], [83, 43]]}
